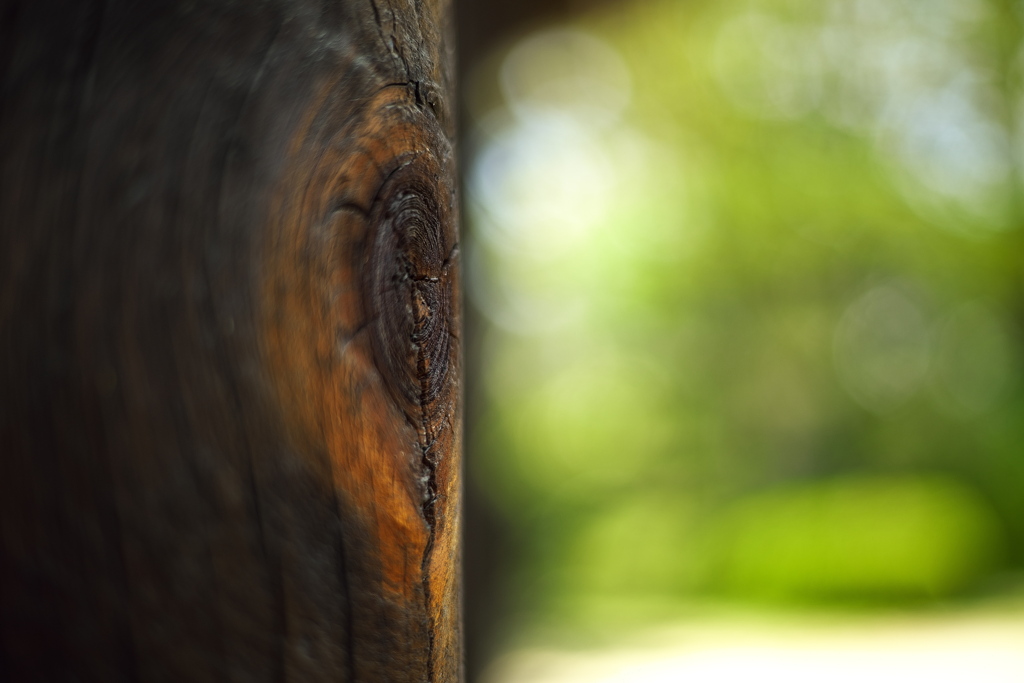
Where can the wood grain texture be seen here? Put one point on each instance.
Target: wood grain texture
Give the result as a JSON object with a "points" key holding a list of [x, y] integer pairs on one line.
{"points": [[229, 321]]}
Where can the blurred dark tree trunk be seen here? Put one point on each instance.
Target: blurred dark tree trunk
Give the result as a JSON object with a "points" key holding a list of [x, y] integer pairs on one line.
{"points": [[229, 314], [490, 545]]}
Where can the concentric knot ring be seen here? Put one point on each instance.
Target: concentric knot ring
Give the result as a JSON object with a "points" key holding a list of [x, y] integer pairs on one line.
{"points": [[409, 288]]}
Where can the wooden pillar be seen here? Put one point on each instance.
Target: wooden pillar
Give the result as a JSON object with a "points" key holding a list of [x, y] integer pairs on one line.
{"points": [[230, 367]]}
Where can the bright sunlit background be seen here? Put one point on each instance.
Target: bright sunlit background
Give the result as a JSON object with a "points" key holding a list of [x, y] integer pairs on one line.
{"points": [[752, 277]]}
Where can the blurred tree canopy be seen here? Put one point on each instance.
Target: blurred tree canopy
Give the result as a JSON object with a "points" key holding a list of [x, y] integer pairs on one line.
{"points": [[753, 272]]}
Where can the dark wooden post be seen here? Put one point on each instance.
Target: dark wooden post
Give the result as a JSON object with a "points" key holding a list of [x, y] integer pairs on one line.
{"points": [[229, 341]]}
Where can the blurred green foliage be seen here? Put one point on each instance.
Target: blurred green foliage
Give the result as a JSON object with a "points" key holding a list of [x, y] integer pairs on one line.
{"points": [[888, 538], [753, 275]]}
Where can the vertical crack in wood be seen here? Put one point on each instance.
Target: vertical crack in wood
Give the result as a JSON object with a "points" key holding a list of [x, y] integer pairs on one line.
{"points": [[426, 445], [407, 296]]}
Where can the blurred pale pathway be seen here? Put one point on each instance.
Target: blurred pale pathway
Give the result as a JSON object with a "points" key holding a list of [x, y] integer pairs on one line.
{"points": [[951, 648]]}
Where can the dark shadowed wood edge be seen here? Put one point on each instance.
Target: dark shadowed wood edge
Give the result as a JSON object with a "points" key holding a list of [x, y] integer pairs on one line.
{"points": [[229, 324]]}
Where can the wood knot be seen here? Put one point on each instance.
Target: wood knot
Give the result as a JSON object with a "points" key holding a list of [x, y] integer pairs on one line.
{"points": [[369, 219], [409, 289]]}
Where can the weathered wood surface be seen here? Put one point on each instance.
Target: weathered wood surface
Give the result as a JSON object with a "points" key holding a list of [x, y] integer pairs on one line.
{"points": [[229, 354]]}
